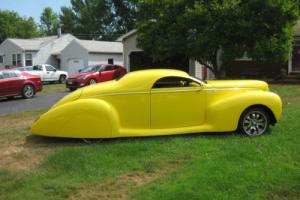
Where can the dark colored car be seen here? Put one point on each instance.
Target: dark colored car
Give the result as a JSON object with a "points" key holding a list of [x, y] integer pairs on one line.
{"points": [[94, 74], [16, 83]]}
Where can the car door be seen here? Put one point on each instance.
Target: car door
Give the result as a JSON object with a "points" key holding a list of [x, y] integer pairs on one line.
{"points": [[11, 84], [107, 73], [177, 102], [51, 74]]}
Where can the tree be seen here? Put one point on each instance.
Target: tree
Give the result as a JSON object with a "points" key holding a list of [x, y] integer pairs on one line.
{"points": [[68, 21], [49, 21], [215, 32], [12, 25], [99, 19]]}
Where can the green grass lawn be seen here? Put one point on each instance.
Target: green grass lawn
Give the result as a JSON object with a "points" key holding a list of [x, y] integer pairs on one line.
{"points": [[51, 87], [201, 166]]}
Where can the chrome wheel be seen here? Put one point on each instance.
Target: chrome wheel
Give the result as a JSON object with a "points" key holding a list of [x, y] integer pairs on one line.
{"points": [[28, 91], [92, 81], [255, 122]]}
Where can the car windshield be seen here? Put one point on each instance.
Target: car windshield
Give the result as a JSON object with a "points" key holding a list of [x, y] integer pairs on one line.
{"points": [[90, 69]]}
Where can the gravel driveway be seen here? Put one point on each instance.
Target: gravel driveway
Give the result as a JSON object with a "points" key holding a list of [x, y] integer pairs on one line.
{"points": [[38, 102]]}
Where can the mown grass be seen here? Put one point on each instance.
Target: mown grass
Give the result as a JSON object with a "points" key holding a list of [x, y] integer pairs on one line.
{"points": [[201, 166], [50, 88]]}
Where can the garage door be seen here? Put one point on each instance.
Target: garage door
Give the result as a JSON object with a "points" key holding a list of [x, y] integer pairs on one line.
{"points": [[74, 65]]}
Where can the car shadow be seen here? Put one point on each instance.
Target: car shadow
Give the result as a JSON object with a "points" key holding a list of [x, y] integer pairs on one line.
{"points": [[42, 141]]}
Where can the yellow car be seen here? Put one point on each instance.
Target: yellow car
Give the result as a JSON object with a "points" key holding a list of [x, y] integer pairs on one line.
{"points": [[161, 102]]}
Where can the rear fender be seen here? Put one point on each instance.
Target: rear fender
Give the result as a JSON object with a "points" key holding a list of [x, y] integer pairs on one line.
{"points": [[83, 118], [224, 114]]}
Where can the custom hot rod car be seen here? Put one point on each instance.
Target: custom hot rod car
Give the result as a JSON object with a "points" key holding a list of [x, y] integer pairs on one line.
{"points": [[161, 102]]}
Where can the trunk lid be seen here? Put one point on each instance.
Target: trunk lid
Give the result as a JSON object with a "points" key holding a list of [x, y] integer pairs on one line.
{"points": [[261, 85]]}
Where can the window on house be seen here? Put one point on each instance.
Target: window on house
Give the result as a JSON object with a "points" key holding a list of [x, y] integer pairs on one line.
{"points": [[19, 62], [14, 59], [28, 59], [110, 61], [1, 59], [171, 82]]}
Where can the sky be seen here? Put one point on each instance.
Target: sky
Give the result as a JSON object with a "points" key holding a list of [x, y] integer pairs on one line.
{"points": [[32, 8]]}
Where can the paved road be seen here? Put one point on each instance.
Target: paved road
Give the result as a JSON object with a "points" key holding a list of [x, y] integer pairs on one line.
{"points": [[38, 102]]}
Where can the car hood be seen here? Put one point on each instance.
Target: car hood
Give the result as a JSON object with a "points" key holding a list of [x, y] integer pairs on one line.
{"points": [[77, 75], [261, 85]]}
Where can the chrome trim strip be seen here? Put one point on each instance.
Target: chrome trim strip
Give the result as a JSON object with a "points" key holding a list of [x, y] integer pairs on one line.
{"points": [[236, 88], [174, 91], [120, 93]]}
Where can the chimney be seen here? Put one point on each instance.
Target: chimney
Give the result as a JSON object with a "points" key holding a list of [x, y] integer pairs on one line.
{"points": [[59, 32]]}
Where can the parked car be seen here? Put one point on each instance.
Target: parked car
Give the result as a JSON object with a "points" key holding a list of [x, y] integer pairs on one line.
{"points": [[16, 83], [28, 68], [48, 73], [161, 102], [94, 74]]}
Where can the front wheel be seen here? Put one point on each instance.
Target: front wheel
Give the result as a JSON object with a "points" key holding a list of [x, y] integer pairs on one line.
{"points": [[28, 91], [254, 121], [92, 81]]}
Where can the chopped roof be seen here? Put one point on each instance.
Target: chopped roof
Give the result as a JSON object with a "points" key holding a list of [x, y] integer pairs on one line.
{"points": [[101, 46]]}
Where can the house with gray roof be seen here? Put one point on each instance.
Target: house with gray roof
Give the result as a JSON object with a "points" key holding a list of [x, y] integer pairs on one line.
{"points": [[79, 53], [63, 51], [28, 52]]}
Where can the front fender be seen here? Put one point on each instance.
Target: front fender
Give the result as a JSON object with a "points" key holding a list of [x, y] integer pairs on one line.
{"points": [[224, 114], [83, 118]]}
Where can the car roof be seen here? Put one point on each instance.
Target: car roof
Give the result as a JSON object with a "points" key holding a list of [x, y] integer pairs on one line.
{"points": [[143, 80]]}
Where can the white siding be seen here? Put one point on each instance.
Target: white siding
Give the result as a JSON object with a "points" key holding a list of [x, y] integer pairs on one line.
{"points": [[7, 49], [101, 58], [129, 45], [73, 51]]}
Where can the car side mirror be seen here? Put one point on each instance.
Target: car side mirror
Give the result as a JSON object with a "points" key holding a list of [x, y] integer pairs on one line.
{"points": [[79, 70], [55, 70]]}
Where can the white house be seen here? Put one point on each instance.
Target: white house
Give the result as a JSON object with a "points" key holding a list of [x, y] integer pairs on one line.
{"points": [[27, 52], [63, 51], [80, 53]]}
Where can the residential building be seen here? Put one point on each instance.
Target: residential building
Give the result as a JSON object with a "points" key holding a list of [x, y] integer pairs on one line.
{"points": [[79, 53]]}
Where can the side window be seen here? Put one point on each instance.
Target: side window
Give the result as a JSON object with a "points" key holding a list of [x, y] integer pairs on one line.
{"points": [[37, 68], [173, 81], [109, 68], [6, 75], [49, 68], [1, 76], [1, 59]]}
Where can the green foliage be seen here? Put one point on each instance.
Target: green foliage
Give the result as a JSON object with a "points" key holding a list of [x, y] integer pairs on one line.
{"points": [[14, 26], [206, 30], [49, 21], [93, 19]]}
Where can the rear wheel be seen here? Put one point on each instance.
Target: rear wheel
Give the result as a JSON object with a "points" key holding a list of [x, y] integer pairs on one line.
{"points": [[254, 121], [92, 81], [28, 91], [62, 78]]}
